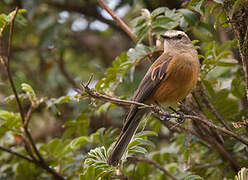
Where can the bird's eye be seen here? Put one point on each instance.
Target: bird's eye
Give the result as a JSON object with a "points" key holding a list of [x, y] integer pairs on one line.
{"points": [[179, 36]]}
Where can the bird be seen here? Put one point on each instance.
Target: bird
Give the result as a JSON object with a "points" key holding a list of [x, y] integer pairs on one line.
{"points": [[170, 78]]}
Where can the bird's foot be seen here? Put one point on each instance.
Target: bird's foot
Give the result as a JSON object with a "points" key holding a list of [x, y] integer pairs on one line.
{"points": [[166, 115], [180, 119]]}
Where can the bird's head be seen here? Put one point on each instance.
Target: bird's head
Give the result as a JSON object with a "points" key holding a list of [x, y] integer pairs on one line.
{"points": [[176, 40]]}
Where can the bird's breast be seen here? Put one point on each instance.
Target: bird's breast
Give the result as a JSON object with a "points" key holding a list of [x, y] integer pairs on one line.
{"points": [[181, 77]]}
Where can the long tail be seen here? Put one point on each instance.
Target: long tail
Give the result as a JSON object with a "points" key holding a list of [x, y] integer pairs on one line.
{"points": [[129, 129]]}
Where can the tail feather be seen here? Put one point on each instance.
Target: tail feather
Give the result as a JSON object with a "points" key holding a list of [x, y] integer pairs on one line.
{"points": [[124, 139]]}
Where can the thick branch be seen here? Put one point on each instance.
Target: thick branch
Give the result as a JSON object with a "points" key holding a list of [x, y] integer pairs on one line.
{"points": [[160, 112]]}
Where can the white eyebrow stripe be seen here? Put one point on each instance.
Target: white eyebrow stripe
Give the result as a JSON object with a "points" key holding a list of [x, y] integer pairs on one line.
{"points": [[173, 33]]}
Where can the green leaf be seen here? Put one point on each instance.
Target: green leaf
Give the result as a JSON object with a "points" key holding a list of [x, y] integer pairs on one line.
{"points": [[159, 11], [80, 141], [197, 5], [204, 29], [9, 121], [89, 174], [19, 18], [142, 33], [114, 74], [189, 16], [193, 177], [164, 22], [31, 94], [223, 54], [137, 149], [242, 174], [143, 134], [97, 159], [238, 87]]}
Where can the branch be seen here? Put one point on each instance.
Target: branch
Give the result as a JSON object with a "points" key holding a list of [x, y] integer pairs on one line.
{"points": [[154, 163], [160, 112], [107, 98], [63, 70], [16, 154], [89, 10], [121, 23], [6, 63]]}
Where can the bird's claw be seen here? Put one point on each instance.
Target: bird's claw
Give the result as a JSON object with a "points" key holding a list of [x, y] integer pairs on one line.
{"points": [[180, 119]]}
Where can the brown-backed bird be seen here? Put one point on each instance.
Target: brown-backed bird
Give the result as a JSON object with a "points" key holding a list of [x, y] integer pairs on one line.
{"points": [[169, 79]]}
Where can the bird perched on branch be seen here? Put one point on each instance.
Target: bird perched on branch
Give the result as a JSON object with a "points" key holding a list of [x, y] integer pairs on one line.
{"points": [[169, 80]]}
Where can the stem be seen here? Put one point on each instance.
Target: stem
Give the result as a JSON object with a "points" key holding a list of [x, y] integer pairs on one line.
{"points": [[119, 21], [154, 163]]}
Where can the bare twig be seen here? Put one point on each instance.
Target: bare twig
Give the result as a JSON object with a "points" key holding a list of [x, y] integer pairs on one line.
{"points": [[119, 21], [16, 154], [63, 70], [114, 100], [28, 116], [154, 163]]}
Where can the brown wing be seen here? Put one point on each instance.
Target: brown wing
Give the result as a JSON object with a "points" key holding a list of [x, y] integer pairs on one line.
{"points": [[153, 77]]}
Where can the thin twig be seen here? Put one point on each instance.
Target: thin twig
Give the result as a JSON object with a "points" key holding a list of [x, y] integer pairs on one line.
{"points": [[119, 21], [111, 99], [66, 74], [16, 154], [28, 116], [154, 163]]}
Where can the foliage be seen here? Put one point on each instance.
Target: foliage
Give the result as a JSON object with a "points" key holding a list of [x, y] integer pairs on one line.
{"points": [[75, 133]]}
